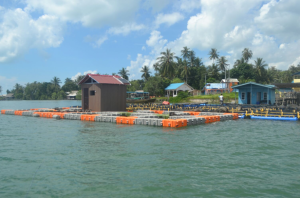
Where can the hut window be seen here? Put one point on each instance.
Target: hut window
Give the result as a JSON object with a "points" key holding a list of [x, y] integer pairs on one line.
{"points": [[265, 96], [243, 96], [92, 92], [174, 92]]}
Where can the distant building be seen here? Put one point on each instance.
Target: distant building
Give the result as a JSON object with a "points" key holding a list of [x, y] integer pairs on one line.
{"points": [[71, 95], [9, 96], [173, 89], [213, 88], [296, 79], [255, 93], [229, 82], [103, 92]]}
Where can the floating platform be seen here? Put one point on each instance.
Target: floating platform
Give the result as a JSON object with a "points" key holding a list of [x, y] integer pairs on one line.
{"points": [[174, 119], [274, 118]]}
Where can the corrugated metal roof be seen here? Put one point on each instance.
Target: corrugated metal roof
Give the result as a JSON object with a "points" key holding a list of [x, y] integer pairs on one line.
{"points": [[174, 86], [229, 80], [106, 79], [253, 83], [215, 86]]}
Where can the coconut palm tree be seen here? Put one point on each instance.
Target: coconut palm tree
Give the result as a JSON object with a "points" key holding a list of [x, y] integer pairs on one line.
{"points": [[247, 54], [185, 53], [146, 72], [213, 54], [166, 62], [239, 61], [260, 65], [156, 67], [222, 63], [124, 73], [56, 81], [192, 57]]}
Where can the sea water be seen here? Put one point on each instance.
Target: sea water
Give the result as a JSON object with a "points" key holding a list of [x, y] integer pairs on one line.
{"points": [[42, 157]]}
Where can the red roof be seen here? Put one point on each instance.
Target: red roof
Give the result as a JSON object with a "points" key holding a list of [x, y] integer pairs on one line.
{"points": [[106, 79]]}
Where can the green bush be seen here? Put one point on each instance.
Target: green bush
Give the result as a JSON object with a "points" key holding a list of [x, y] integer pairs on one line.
{"points": [[125, 114], [163, 116], [182, 95]]}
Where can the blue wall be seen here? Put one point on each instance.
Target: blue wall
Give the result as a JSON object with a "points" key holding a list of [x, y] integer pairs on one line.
{"points": [[255, 89]]}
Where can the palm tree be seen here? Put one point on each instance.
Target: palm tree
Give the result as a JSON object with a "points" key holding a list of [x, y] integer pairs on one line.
{"points": [[260, 65], [213, 54], [185, 53], [198, 62], [156, 67], [124, 73], [192, 57], [239, 62], [166, 62], [146, 72], [247, 54], [222, 63], [56, 81], [213, 70]]}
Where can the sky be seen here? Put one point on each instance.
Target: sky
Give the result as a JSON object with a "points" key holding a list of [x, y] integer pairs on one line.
{"points": [[67, 38]]}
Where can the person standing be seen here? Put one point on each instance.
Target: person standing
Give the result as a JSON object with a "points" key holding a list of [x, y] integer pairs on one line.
{"points": [[221, 99]]}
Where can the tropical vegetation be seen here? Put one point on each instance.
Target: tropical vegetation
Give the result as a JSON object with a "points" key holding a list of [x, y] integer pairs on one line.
{"points": [[168, 69]]}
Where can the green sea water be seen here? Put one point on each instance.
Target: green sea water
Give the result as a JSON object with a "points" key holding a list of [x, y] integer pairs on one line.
{"points": [[42, 157]]}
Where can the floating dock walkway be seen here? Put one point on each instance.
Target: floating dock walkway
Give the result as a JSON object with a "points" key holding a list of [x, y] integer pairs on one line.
{"points": [[174, 119]]}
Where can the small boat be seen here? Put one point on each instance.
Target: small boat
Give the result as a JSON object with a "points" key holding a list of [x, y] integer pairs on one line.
{"points": [[138, 97]]}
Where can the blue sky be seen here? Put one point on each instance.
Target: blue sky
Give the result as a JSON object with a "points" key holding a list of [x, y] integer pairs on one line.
{"points": [[65, 38]]}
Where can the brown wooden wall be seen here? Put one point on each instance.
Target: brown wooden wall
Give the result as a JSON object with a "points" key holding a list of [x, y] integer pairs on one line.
{"points": [[108, 97]]}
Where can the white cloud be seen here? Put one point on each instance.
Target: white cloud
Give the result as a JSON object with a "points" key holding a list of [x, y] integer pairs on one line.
{"points": [[156, 5], [189, 5], [19, 32], [126, 29], [157, 42], [84, 73], [280, 19], [100, 41], [169, 19], [136, 66], [90, 13]]}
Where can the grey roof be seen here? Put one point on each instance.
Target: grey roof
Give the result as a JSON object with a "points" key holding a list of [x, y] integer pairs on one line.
{"points": [[230, 80], [253, 83], [9, 95]]}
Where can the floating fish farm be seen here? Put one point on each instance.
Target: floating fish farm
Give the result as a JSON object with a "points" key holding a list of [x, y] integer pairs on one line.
{"points": [[174, 119], [164, 116]]}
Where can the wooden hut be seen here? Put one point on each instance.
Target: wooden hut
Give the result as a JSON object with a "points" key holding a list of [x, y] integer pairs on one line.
{"points": [[103, 92]]}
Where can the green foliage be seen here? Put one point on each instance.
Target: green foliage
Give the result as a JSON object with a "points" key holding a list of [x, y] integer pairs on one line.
{"points": [[162, 116], [183, 94], [156, 85], [211, 80], [176, 80], [69, 85], [78, 95], [181, 97], [136, 85], [126, 114], [61, 95], [124, 73]]}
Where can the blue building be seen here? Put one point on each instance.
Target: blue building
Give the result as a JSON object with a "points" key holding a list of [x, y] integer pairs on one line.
{"points": [[255, 93]]}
